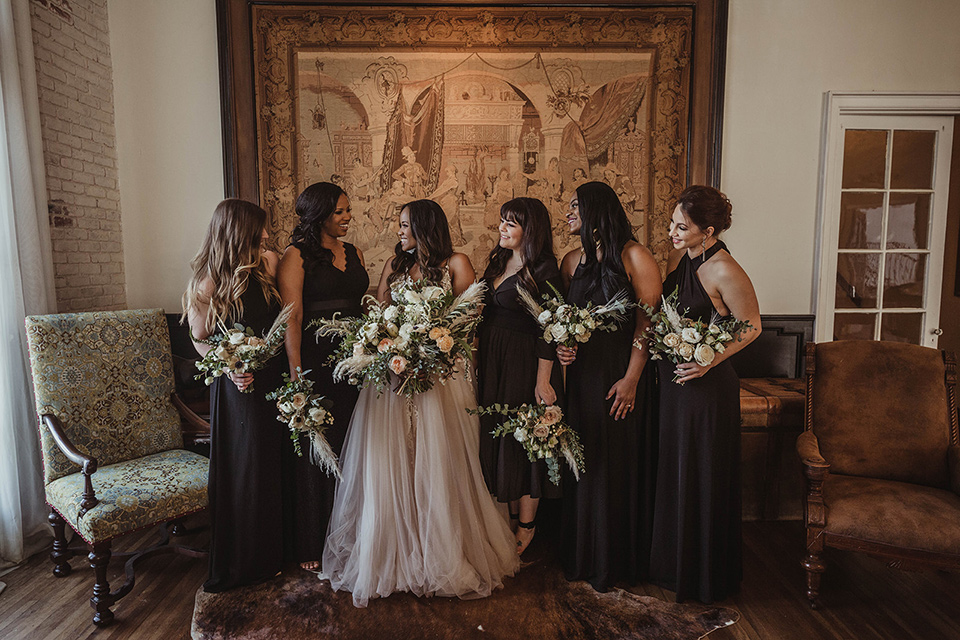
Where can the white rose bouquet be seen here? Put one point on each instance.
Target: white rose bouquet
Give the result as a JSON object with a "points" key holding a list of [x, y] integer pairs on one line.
{"points": [[542, 431], [306, 412], [677, 338], [423, 337], [239, 350], [569, 324]]}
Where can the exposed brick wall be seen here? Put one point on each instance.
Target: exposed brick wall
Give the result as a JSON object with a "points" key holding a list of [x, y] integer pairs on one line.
{"points": [[75, 81]]}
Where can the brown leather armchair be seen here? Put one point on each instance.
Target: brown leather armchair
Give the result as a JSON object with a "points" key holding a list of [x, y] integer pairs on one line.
{"points": [[881, 455]]}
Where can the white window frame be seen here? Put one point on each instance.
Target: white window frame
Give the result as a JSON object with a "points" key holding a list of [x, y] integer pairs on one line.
{"points": [[836, 105]]}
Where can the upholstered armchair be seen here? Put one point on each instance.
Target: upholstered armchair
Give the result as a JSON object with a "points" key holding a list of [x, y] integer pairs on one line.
{"points": [[110, 438], [881, 455]]}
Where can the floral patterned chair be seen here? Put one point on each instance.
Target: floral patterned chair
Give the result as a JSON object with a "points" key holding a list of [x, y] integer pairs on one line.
{"points": [[881, 454], [110, 438]]}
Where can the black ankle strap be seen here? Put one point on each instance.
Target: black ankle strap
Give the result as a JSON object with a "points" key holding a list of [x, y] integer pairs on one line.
{"points": [[514, 516], [527, 525]]}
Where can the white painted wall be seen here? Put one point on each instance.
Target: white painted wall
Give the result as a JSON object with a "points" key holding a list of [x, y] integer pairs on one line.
{"points": [[167, 101], [782, 56]]}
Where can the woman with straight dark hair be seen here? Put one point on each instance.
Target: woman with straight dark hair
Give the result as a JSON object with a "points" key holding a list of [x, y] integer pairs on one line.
{"points": [[514, 364], [611, 399], [233, 282], [412, 512], [696, 532], [319, 275]]}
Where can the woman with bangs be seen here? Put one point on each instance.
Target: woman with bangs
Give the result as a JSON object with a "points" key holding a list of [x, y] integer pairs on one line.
{"points": [[412, 512], [611, 399], [233, 281], [514, 364]]}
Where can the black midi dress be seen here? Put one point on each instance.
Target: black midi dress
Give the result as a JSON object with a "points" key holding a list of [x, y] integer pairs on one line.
{"points": [[511, 347], [246, 543], [696, 537], [608, 514], [308, 495]]}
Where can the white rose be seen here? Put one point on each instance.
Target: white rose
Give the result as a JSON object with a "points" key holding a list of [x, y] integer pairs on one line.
{"points": [[237, 337], [590, 323], [704, 355], [685, 351], [390, 313], [370, 330], [317, 414], [559, 332], [544, 316], [432, 293], [671, 340], [579, 329], [691, 335], [405, 330], [520, 434]]}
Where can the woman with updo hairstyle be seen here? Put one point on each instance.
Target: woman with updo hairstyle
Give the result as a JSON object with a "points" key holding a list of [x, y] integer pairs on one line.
{"points": [[514, 363], [233, 282], [611, 399], [696, 537], [320, 274]]}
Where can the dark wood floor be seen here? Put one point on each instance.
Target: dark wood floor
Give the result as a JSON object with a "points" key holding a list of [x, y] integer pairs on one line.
{"points": [[862, 598]]}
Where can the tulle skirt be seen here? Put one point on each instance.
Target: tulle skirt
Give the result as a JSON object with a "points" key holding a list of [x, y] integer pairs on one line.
{"points": [[412, 512]]}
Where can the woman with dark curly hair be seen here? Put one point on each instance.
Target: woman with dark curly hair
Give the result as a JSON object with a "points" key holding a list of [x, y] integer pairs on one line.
{"points": [[412, 512], [319, 275], [514, 363]]}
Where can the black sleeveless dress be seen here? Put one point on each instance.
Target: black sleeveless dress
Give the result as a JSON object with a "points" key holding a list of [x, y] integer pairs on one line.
{"points": [[608, 514], [308, 495], [511, 346], [696, 537], [246, 542]]}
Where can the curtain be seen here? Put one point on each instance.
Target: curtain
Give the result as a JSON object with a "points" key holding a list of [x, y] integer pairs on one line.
{"points": [[604, 117], [421, 131], [26, 285]]}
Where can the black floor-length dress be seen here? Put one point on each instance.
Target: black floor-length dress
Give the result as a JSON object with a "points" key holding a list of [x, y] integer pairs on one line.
{"points": [[308, 491], [511, 346], [696, 538], [246, 542], [608, 514]]}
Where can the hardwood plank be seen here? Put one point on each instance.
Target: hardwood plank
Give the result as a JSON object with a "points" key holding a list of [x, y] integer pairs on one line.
{"points": [[862, 597]]}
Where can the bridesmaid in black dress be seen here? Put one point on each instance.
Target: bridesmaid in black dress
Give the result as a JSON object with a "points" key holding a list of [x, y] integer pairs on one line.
{"points": [[696, 536], [515, 364], [320, 275], [246, 544], [611, 400]]}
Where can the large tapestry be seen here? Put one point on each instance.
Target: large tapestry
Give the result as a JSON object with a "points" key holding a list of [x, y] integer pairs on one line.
{"points": [[471, 107]]}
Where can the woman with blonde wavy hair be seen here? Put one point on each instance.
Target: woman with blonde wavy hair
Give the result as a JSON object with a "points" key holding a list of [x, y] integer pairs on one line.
{"points": [[233, 281]]}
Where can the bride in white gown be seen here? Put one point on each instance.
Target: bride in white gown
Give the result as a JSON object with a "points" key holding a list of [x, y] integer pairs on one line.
{"points": [[412, 512]]}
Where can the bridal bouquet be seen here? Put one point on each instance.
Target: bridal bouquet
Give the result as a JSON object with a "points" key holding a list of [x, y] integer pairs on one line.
{"points": [[542, 431], [680, 339], [423, 337], [239, 350], [306, 412], [569, 324]]}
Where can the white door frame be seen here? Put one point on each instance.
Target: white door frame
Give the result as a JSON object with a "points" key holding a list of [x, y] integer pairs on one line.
{"points": [[852, 103]]}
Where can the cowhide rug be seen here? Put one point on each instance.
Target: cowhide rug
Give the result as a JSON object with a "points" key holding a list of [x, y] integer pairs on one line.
{"points": [[537, 603]]}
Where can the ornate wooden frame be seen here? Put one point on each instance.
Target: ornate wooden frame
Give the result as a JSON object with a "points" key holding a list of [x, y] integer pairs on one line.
{"points": [[258, 39]]}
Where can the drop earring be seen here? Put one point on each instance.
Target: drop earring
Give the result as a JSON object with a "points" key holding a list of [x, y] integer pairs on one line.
{"points": [[703, 254]]}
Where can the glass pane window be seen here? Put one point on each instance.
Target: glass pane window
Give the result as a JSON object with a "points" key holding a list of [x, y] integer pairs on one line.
{"points": [[864, 159], [902, 327], [857, 278], [861, 220], [908, 224], [903, 278], [854, 326], [912, 163]]}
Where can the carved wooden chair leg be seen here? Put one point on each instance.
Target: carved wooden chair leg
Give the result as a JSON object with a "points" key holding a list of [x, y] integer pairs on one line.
{"points": [[60, 554], [102, 600], [815, 567]]}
